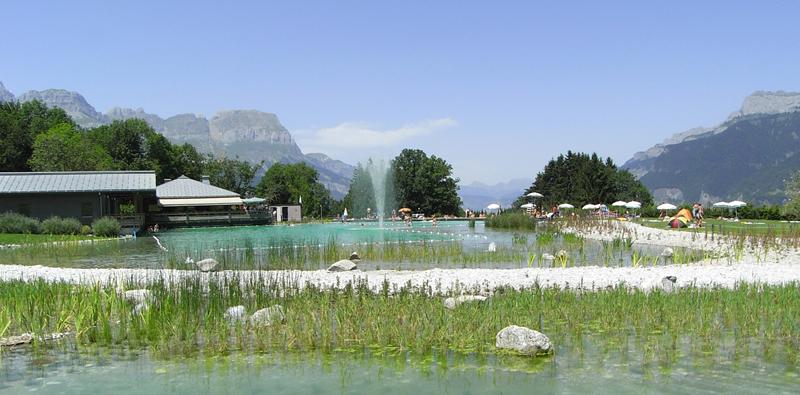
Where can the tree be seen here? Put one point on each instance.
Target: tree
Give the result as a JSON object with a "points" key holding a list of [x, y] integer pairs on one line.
{"points": [[792, 189], [425, 184], [64, 148], [126, 143], [361, 195], [580, 179], [288, 183], [231, 174], [20, 123]]}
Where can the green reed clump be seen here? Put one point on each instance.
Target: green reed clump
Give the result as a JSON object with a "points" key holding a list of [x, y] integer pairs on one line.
{"points": [[511, 220], [187, 316]]}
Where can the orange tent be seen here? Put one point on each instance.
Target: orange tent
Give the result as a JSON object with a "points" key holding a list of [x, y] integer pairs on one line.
{"points": [[685, 213]]}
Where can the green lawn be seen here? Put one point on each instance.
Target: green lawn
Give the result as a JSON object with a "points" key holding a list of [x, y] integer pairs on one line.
{"points": [[16, 238], [755, 226]]}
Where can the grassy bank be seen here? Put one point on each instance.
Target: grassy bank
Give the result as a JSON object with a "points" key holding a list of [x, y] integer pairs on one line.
{"points": [[188, 318]]}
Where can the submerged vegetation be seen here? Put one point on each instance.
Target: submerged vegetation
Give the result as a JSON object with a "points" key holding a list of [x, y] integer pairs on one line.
{"points": [[188, 317]]}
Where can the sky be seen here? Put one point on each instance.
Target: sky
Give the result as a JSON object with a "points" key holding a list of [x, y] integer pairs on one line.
{"points": [[495, 88]]}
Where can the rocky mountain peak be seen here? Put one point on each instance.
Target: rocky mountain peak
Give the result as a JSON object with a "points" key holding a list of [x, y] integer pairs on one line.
{"points": [[248, 125], [73, 103], [5, 95], [766, 102]]}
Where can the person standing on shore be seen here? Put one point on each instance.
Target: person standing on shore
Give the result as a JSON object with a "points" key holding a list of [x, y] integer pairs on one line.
{"points": [[699, 215]]}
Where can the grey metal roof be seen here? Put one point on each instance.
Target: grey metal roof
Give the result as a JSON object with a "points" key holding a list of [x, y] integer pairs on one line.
{"points": [[78, 181], [185, 187]]}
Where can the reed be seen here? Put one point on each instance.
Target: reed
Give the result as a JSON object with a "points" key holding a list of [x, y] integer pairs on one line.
{"points": [[187, 317]]}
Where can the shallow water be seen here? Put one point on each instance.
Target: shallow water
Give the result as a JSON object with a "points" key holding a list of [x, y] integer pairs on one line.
{"points": [[585, 369], [255, 243]]}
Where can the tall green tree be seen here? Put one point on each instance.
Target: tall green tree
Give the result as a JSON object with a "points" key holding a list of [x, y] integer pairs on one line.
{"points": [[425, 183], [580, 178], [20, 123], [126, 143], [65, 148], [288, 183], [231, 174]]}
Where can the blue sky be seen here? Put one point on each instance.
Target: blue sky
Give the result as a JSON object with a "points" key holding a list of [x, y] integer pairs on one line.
{"points": [[496, 88]]}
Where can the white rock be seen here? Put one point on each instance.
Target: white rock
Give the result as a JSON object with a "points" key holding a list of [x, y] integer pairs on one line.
{"points": [[354, 256], [667, 253], [492, 247], [523, 340], [451, 303], [207, 265], [268, 316], [137, 296], [343, 266], [235, 313], [548, 257], [562, 254], [668, 284]]}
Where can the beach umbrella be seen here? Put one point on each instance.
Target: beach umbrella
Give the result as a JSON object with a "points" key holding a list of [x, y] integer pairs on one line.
{"points": [[618, 203], [633, 204], [527, 205], [590, 207], [721, 205], [737, 204], [493, 206], [534, 195], [565, 206], [667, 206], [405, 210], [345, 213]]}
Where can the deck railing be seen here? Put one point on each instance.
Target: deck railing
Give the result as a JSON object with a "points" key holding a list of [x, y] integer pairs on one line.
{"points": [[209, 218]]}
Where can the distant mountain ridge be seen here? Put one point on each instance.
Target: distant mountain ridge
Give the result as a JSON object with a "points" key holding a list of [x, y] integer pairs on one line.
{"points": [[757, 146], [251, 135], [478, 195]]}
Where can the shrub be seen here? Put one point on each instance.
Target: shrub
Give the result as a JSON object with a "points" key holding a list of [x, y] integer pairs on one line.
{"points": [[86, 230], [106, 226], [11, 222], [61, 226], [511, 220]]}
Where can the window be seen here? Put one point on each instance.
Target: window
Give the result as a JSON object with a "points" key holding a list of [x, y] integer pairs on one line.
{"points": [[87, 210]]}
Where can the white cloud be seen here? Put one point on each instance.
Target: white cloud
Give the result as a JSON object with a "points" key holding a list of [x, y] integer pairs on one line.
{"points": [[360, 135]]}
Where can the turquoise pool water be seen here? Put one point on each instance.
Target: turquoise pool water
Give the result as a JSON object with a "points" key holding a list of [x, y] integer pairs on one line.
{"points": [[255, 247]]}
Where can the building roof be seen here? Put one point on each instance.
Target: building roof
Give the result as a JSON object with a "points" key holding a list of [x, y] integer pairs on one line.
{"points": [[186, 188], [78, 181]]}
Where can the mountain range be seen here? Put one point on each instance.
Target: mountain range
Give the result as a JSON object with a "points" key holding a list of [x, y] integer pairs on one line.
{"points": [[250, 135], [746, 157], [477, 196]]}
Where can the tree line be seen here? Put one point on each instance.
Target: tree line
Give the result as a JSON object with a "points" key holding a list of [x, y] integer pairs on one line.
{"points": [[35, 137]]}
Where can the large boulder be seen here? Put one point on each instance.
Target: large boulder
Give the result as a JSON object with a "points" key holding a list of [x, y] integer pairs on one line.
{"points": [[268, 316], [207, 265], [451, 303], [235, 314], [523, 340], [668, 284], [343, 266]]}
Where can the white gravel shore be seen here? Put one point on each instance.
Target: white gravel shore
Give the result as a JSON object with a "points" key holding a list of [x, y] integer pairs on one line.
{"points": [[775, 268]]}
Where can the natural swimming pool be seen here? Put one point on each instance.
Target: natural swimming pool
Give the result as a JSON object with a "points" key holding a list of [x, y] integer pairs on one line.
{"points": [[451, 244], [579, 366]]}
